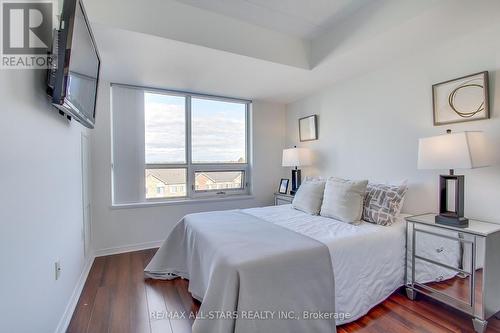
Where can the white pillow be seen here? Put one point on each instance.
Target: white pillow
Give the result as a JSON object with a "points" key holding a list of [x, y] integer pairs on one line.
{"points": [[343, 199], [309, 197]]}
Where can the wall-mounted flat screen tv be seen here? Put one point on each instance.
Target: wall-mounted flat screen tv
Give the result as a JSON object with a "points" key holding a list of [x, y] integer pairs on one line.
{"points": [[74, 75]]}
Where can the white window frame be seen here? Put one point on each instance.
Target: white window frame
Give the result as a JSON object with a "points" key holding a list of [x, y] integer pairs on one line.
{"points": [[192, 168], [227, 191]]}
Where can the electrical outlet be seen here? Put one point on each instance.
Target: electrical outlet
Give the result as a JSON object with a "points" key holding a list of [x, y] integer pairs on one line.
{"points": [[58, 269]]}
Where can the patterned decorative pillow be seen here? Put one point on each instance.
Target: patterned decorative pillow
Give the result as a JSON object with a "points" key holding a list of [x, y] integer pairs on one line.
{"points": [[383, 203]]}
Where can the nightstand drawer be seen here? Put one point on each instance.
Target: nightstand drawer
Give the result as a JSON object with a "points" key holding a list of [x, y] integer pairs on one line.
{"points": [[434, 278], [451, 250], [282, 199]]}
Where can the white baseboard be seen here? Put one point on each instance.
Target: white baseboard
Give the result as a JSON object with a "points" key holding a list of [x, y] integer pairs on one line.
{"points": [[127, 248], [70, 308]]}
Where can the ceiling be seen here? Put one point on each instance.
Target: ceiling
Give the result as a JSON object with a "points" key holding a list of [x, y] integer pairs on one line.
{"points": [[175, 45], [298, 18]]}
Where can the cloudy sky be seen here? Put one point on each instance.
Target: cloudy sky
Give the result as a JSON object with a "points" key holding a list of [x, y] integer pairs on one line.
{"points": [[218, 130]]}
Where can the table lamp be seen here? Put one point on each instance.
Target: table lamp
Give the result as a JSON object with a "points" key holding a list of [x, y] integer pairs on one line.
{"points": [[464, 150], [296, 157]]}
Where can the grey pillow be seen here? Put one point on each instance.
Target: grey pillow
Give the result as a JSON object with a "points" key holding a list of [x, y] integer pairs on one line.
{"points": [[383, 203], [343, 199], [309, 197]]}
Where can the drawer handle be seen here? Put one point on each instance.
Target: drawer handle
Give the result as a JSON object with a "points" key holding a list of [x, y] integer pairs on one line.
{"points": [[441, 249]]}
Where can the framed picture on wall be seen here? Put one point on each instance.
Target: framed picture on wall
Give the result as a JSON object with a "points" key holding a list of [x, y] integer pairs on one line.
{"points": [[308, 128], [283, 186], [460, 100]]}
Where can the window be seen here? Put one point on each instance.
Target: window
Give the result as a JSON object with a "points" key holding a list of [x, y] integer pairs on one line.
{"points": [[207, 181], [165, 128], [218, 131], [162, 183], [195, 146], [172, 145], [160, 189]]}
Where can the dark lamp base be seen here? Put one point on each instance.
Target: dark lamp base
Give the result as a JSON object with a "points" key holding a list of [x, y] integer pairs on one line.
{"points": [[296, 180], [458, 222]]}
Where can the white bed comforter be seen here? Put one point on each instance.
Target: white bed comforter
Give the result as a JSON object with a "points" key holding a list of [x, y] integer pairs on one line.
{"points": [[368, 259], [239, 265]]}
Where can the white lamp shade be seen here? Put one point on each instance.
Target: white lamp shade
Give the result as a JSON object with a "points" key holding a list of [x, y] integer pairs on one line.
{"points": [[464, 150], [296, 157]]}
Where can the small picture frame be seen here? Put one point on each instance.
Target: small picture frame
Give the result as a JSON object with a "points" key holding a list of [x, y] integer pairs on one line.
{"points": [[460, 100], [308, 128], [283, 189]]}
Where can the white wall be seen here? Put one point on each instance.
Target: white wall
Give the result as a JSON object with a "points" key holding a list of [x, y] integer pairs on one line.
{"points": [[40, 205], [120, 229], [369, 125]]}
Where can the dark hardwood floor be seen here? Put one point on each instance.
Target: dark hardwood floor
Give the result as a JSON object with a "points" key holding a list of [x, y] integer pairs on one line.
{"points": [[117, 298]]}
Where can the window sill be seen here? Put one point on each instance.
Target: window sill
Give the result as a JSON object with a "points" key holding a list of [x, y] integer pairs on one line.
{"points": [[175, 202]]}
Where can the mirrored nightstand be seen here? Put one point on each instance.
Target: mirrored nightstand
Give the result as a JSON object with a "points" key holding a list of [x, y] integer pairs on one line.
{"points": [[282, 199], [457, 266]]}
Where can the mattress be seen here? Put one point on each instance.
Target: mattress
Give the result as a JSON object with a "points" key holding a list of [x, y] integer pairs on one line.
{"points": [[367, 259]]}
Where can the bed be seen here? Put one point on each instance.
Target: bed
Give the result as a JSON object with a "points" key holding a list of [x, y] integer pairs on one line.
{"points": [[364, 262]]}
